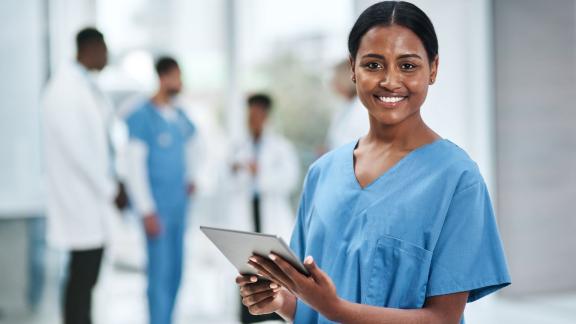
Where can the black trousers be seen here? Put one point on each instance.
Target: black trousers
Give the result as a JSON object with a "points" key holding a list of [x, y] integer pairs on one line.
{"points": [[245, 315], [83, 271]]}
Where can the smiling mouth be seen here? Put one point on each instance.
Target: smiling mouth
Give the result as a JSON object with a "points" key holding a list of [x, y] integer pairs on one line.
{"points": [[390, 101]]}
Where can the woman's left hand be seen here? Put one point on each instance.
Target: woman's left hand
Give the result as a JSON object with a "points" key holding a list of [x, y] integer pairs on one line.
{"points": [[317, 290]]}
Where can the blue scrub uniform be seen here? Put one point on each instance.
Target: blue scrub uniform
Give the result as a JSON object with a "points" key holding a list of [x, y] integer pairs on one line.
{"points": [[424, 228], [166, 162]]}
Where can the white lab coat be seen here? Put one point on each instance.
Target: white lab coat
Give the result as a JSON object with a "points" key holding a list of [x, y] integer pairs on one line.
{"points": [[276, 180], [79, 177], [348, 124]]}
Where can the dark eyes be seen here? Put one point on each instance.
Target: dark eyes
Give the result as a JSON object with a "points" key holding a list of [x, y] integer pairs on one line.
{"points": [[373, 66], [407, 66]]}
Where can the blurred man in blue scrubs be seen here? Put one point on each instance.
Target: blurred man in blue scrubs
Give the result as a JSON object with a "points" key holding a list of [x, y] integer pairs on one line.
{"points": [[159, 181]]}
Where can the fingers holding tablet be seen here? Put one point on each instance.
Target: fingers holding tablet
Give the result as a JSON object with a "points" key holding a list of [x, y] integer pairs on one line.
{"points": [[260, 295]]}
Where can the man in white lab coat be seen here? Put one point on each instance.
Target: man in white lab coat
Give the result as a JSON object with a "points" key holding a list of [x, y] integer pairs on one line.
{"points": [[81, 189], [265, 173]]}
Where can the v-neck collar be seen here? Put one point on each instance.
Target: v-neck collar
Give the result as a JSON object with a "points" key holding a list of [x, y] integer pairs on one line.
{"points": [[351, 167]]}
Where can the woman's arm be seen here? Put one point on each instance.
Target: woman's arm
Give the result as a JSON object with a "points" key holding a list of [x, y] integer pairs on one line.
{"points": [[444, 309], [319, 292]]}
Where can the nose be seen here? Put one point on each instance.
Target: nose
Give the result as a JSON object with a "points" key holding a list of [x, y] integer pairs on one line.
{"points": [[390, 81]]}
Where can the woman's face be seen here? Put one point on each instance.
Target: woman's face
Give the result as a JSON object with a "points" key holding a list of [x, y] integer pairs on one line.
{"points": [[392, 73]]}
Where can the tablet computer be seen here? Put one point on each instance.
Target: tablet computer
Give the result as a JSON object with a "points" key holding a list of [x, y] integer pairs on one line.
{"points": [[238, 246]]}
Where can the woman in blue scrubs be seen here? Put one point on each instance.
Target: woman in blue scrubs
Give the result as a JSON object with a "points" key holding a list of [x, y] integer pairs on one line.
{"points": [[398, 226]]}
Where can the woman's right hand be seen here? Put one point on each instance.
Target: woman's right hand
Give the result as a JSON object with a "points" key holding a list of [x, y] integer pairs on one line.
{"points": [[261, 296]]}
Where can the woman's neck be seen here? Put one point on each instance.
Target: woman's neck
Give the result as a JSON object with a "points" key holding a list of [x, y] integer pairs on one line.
{"points": [[407, 135]]}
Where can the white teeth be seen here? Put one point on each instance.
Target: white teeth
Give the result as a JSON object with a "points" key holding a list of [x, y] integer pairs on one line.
{"points": [[391, 99]]}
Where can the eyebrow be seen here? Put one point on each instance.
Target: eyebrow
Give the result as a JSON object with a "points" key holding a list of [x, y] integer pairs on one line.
{"points": [[409, 56], [378, 56]]}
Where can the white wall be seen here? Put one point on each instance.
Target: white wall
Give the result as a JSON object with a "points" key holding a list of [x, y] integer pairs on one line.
{"points": [[23, 71], [536, 137], [31, 47], [66, 18]]}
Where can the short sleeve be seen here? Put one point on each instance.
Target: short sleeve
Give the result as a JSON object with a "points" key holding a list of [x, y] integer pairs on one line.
{"points": [[137, 126], [468, 255]]}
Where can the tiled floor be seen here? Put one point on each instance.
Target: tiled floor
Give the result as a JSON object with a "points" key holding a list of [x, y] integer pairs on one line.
{"points": [[207, 297]]}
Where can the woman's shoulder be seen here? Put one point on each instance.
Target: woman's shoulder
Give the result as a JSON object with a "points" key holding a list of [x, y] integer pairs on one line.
{"points": [[453, 161]]}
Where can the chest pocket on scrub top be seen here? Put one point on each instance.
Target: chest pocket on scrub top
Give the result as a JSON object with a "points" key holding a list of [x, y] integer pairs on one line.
{"points": [[399, 274]]}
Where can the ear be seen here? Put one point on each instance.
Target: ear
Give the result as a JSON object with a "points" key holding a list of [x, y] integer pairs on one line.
{"points": [[434, 69], [353, 67]]}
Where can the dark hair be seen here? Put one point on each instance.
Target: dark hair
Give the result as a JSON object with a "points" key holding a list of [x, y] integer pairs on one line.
{"points": [[88, 36], [165, 64], [260, 99], [401, 13]]}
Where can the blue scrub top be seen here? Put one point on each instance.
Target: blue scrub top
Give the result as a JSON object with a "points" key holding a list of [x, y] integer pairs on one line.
{"points": [[424, 228], [166, 160]]}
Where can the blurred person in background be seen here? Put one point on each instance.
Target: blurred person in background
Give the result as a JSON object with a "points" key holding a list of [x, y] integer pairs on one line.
{"points": [[159, 155], [265, 174], [351, 121], [81, 187]]}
